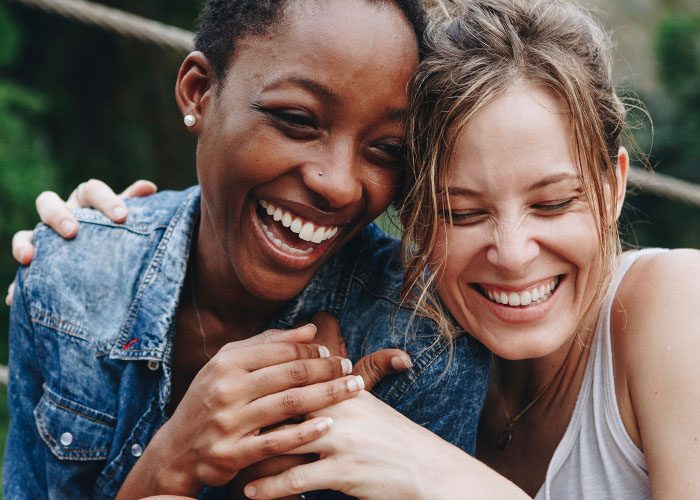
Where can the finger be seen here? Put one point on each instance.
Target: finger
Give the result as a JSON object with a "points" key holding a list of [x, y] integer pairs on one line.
{"points": [[329, 334], [139, 188], [278, 407], [256, 357], [319, 475], [298, 373], [54, 212], [269, 467], [303, 334], [374, 367], [10, 293], [96, 194], [22, 248], [255, 448]]}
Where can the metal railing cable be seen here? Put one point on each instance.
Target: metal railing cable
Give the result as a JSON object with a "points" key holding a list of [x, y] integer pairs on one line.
{"points": [[124, 23]]}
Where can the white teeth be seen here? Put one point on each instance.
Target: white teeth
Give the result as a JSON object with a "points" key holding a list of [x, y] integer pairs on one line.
{"points": [[524, 298], [287, 219], [318, 235], [307, 231], [281, 244]]}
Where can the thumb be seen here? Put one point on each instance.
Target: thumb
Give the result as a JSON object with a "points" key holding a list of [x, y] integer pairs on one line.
{"points": [[374, 367]]}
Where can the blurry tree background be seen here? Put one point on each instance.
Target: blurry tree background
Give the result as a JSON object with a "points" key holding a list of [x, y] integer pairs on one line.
{"points": [[77, 102]]}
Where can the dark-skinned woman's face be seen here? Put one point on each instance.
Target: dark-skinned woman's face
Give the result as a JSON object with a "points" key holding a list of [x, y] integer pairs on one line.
{"points": [[299, 146]]}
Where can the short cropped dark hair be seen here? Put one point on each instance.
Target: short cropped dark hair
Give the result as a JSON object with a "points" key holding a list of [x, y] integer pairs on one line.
{"points": [[223, 22]]}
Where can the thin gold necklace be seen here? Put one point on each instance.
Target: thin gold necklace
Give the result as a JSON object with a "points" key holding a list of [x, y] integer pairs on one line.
{"points": [[505, 437]]}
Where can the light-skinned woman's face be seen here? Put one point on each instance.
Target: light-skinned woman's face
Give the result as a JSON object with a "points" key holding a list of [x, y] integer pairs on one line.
{"points": [[519, 256], [299, 148]]}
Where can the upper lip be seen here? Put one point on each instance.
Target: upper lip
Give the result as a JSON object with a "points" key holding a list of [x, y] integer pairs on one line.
{"points": [[516, 288], [311, 213]]}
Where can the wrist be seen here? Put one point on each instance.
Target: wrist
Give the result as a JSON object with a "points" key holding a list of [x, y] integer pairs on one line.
{"points": [[157, 472]]}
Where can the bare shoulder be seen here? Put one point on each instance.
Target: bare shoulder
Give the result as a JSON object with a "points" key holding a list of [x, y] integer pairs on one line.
{"points": [[656, 342]]}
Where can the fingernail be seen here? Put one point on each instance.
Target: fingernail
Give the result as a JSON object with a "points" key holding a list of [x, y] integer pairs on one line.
{"points": [[67, 227], [23, 255], [250, 491], [119, 212], [346, 364], [323, 351], [314, 326], [356, 384], [324, 424], [401, 362], [8, 302]]}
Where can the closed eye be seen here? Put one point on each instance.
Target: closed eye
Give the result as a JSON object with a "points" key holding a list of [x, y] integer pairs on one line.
{"points": [[554, 207]]}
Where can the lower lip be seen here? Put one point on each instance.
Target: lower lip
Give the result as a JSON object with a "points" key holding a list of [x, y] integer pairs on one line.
{"points": [[520, 315], [278, 256]]}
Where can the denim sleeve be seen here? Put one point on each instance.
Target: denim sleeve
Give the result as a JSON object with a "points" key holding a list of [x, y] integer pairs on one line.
{"points": [[24, 463]]}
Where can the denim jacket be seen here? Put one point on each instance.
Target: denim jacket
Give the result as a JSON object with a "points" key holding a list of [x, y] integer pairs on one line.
{"points": [[91, 343]]}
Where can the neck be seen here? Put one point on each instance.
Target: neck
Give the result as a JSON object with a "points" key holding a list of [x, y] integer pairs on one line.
{"points": [[224, 302], [560, 373]]}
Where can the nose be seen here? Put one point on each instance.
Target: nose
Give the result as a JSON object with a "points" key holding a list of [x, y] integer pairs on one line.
{"points": [[336, 176], [513, 249]]}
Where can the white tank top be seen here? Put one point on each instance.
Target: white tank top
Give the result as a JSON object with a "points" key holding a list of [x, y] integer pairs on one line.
{"points": [[596, 458]]}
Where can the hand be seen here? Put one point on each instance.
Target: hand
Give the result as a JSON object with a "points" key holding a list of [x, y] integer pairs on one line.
{"points": [[57, 214], [374, 452], [372, 368], [247, 386]]}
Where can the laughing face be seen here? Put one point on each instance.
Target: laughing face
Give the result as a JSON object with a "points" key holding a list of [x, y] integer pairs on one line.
{"points": [[520, 255], [299, 148]]}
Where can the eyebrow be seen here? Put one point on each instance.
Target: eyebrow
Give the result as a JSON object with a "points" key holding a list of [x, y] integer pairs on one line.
{"points": [[316, 88], [547, 181], [325, 93]]}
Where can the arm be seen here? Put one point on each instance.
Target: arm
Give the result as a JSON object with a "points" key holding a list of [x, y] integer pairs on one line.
{"points": [[56, 214], [24, 462], [660, 350], [374, 452]]}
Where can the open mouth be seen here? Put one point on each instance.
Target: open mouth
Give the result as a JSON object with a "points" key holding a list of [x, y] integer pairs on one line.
{"points": [[291, 233], [533, 295]]}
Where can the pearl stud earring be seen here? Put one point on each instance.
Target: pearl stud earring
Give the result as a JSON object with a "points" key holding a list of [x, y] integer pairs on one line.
{"points": [[190, 120]]}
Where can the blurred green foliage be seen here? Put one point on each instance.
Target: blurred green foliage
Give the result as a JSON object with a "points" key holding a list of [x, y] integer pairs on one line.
{"points": [[673, 143]]}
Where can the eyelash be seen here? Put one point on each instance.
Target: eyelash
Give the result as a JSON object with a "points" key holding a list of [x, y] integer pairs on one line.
{"points": [[468, 218]]}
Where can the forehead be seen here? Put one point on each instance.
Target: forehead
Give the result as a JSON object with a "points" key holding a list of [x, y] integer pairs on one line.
{"points": [[520, 135], [341, 42]]}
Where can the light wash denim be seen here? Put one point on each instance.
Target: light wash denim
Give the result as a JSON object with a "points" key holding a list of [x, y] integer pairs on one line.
{"points": [[91, 342]]}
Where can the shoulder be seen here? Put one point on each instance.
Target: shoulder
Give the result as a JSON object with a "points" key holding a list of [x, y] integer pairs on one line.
{"points": [[92, 278], [661, 288], [655, 330]]}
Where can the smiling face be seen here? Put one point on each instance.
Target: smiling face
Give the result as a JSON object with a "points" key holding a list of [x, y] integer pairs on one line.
{"points": [[520, 258], [299, 148]]}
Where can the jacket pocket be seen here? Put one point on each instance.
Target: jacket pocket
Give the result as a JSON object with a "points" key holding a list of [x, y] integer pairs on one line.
{"points": [[73, 431]]}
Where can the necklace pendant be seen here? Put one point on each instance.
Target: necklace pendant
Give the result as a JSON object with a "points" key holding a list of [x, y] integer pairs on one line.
{"points": [[504, 439]]}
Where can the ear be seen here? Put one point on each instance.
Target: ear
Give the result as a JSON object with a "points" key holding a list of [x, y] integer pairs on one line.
{"points": [[623, 166], [194, 87]]}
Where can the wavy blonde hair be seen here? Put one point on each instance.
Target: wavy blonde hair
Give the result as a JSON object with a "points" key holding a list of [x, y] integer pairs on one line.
{"points": [[476, 50]]}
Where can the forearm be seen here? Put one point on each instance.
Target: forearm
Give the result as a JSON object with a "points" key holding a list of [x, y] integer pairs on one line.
{"points": [[155, 474], [451, 473]]}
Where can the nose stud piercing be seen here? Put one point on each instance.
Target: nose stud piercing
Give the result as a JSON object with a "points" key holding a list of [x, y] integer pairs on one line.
{"points": [[190, 120], [320, 174]]}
